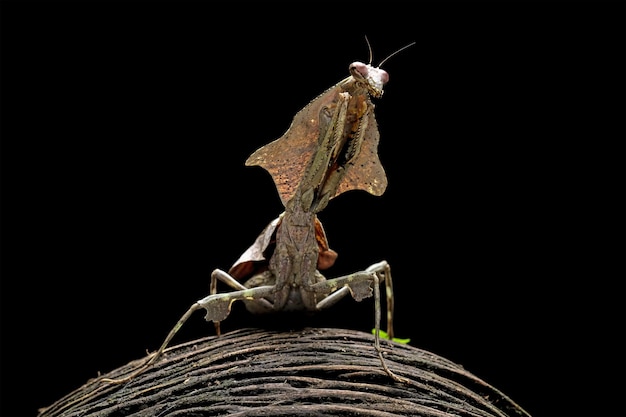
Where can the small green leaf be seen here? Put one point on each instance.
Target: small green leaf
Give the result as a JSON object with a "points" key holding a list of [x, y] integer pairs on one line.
{"points": [[384, 335]]}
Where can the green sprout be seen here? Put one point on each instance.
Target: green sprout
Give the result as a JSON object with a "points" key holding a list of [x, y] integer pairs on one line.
{"points": [[384, 335]]}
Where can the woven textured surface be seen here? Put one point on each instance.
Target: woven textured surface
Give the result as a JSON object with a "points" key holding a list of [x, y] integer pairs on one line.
{"points": [[311, 372]]}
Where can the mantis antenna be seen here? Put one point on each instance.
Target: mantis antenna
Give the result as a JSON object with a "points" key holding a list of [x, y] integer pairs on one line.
{"points": [[394, 53], [369, 47]]}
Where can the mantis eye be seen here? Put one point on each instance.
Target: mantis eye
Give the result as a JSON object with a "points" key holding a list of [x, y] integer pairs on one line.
{"points": [[359, 69]]}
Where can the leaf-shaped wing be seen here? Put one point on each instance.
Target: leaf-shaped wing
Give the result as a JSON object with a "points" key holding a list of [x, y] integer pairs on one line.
{"points": [[366, 172], [287, 157], [327, 256], [246, 264]]}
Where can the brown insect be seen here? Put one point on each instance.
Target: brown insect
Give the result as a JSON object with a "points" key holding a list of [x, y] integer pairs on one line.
{"points": [[331, 147]]}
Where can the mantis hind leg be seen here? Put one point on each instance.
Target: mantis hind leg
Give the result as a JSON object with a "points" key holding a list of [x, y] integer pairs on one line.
{"points": [[217, 308], [362, 285], [258, 280]]}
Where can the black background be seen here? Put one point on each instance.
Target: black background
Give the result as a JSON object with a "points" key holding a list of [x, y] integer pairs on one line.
{"points": [[125, 126]]}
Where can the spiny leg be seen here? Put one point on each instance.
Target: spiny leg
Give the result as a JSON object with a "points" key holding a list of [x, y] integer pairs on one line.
{"points": [[384, 269], [359, 285], [332, 298], [227, 279], [159, 352], [217, 308], [377, 334]]}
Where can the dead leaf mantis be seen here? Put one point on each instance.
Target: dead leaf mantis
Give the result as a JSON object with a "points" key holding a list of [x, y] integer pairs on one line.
{"points": [[331, 147]]}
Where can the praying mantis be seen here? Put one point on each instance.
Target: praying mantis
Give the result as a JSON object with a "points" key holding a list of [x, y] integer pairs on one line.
{"points": [[330, 147]]}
